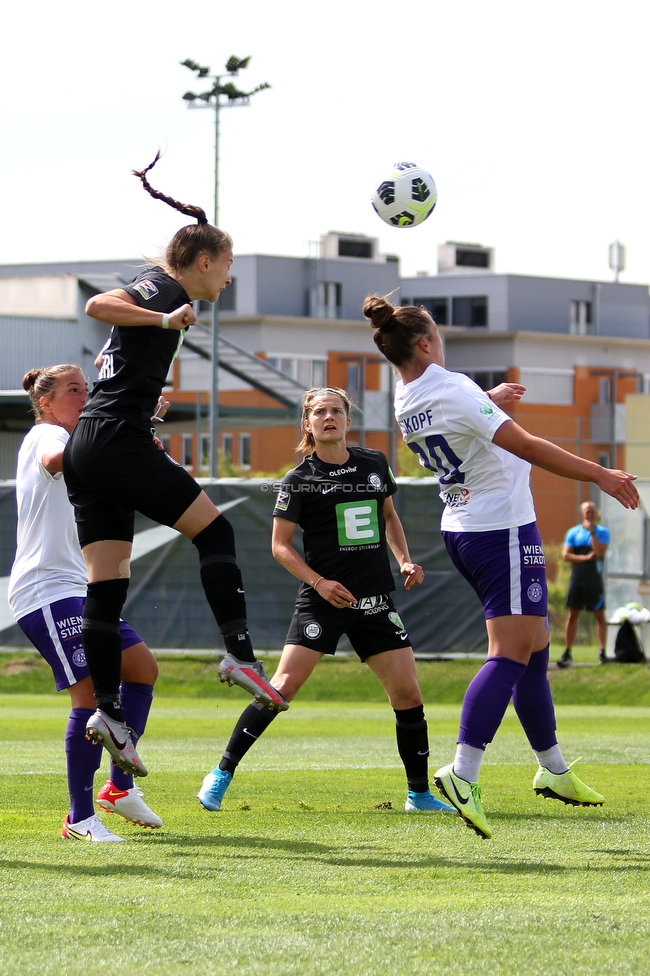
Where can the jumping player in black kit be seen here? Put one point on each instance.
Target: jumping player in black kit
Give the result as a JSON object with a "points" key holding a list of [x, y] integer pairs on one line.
{"points": [[341, 497], [113, 468]]}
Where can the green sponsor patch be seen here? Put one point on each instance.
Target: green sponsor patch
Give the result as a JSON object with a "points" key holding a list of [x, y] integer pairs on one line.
{"points": [[396, 620], [357, 523]]}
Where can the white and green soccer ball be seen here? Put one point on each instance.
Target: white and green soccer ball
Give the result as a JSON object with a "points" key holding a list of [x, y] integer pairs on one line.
{"points": [[406, 197]]}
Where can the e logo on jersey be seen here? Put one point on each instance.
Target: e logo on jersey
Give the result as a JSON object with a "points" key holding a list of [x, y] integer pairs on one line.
{"points": [[313, 630], [146, 289], [357, 523], [486, 409], [535, 592]]}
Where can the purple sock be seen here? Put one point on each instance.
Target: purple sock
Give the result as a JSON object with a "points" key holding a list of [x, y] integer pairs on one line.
{"points": [[83, 760], [136, 704], [486, 700], [534, 703]]}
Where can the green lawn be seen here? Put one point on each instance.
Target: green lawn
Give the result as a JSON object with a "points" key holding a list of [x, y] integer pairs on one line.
{"points": [[345, 679], [306, 870]]}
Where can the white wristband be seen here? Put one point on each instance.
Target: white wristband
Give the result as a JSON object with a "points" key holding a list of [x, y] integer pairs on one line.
{"points": [[165, 321]]}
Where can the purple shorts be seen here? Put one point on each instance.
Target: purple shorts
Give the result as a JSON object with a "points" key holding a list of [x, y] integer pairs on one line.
{"points": [[55, 632], [506, 567]]}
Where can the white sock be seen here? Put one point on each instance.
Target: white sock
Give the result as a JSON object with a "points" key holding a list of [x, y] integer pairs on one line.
{"points": [[553, 760], [467, 762]]}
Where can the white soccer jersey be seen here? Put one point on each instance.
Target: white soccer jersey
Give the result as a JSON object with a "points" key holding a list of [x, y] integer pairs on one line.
{"points": [[450, 422], [48, 565]]}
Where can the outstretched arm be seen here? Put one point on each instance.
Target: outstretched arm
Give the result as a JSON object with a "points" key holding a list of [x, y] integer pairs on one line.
{"points": [[119, 308], [397, 541], [511, 437]]}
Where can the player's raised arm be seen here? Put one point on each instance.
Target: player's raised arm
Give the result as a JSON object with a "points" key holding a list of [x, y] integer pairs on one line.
{"points": [[118, 307], [619, 484]]}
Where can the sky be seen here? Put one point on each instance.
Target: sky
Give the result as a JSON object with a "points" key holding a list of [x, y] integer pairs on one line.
{"points": [[532, 119]]}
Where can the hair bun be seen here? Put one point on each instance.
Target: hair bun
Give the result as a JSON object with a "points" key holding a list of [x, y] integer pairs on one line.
{"points": [[29, 379], [380, 312]]}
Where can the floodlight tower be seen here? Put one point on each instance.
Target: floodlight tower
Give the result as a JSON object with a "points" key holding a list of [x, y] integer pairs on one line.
{"points": [[217, 97]]}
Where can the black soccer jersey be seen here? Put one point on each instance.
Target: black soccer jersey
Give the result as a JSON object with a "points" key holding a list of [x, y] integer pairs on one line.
{"points": [[137, 358], [341, 512]]}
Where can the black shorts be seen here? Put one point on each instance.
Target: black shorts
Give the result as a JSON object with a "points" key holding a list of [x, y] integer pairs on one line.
{"points": [[112, 470], [372, 628], [586, 595]]}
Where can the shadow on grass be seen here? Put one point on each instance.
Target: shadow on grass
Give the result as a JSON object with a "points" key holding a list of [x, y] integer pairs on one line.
{"points": [[244, 848]]}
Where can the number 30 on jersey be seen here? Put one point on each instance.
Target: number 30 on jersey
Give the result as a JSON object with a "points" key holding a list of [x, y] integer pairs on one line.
{"points": [[439, 458]]}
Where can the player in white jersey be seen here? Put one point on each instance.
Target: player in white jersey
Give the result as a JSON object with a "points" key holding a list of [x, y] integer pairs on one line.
{"points": [[47, 588], [482, 459]]}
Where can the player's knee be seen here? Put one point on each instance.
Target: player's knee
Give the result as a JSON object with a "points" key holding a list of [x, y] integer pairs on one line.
{"points": [[139, 666], [286, 684], [407, 697]]}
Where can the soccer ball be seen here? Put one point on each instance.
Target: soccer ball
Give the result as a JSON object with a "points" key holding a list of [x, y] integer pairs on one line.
{"points": [[407, 197]]}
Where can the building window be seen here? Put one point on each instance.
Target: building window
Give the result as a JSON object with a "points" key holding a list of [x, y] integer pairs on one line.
{"points": [[205, 452], [353, 385], [329, 300], [187, 452], [603, 460], [165, 440], [580, 318], [228, 297], [318, 372], [285, 364], [470, 311], [245, 450], [547, 385], [303, 372], [226, 446], [307, 371], [487, 379], [355, 248], [472, 259], [438, 309], [605, 390]]}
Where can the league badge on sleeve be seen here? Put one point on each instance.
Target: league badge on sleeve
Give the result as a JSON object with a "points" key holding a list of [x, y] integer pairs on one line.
{"points": [[146, 289]]}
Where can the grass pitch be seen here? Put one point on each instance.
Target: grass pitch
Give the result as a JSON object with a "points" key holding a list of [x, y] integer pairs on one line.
{"points": [[308, 870]]}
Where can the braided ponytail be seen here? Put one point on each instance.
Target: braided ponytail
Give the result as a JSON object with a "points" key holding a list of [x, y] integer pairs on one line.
{"points": [[189, 242], [185, 208]]}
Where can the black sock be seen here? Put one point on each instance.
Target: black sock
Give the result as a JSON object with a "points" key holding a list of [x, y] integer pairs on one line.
{"points": [[413, 746], [223, 586], [102, 642], [253, 721]]}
